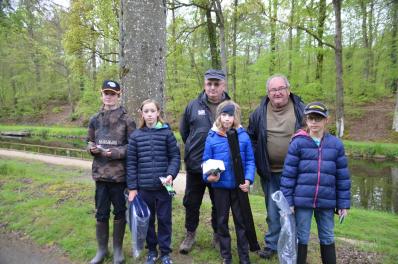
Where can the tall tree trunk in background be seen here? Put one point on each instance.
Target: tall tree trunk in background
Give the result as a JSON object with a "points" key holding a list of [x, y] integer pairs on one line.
{"points": [[142, 52], [273, 10], [291, 21], [234, 47], [223, 48], [393, 56], [320, 30], [212, 35], [174, 44], [94, 61], [339, 70], [366, 66]]}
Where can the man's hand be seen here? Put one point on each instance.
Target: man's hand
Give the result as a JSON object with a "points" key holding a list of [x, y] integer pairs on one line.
{"points": [[132, 195], [245, 187]]}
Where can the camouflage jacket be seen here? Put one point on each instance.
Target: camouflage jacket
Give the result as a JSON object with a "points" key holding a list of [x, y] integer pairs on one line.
{"points": [[111, 130]]}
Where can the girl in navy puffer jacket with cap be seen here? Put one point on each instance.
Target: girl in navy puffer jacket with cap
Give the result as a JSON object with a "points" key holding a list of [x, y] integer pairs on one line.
{"points": [[315, 180]]}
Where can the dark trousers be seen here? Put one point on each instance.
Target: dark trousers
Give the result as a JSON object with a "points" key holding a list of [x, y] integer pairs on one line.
{"points": [[107, 193], [159, 203], [194, 191], [224, 200]]}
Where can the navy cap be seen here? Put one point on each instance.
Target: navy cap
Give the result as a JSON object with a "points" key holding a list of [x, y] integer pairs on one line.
{"points": [[228, 109], [109, 85], [214, 74], [316, 108]]}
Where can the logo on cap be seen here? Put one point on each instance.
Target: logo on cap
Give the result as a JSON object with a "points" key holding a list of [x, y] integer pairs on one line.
{"points": [[112, 84]]}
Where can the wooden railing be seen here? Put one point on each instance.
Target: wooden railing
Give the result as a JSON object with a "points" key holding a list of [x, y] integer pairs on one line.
{"points": [[57, 151]]}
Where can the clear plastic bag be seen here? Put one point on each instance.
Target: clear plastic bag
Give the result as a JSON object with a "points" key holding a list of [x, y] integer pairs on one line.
{"points": [[138, 220], [287, 243]]}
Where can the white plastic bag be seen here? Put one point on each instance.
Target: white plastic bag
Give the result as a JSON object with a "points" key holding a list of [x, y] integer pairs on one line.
{"points": [[287, 245], [138, 220]]}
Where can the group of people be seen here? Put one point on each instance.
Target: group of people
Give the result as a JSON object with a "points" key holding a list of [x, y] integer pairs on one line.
{"points": [[286, 141]]}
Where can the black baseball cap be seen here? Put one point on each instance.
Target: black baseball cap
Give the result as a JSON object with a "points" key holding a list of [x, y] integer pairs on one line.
{"points": [[316, 108], [109, 85]]}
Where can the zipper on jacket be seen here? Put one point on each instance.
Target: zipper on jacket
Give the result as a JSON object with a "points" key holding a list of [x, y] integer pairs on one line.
{"points": [[319, 173]]}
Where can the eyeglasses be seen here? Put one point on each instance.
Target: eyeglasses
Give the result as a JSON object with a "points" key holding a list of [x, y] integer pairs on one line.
{"points": [[215, 84], [279, 89], [315, 118]]}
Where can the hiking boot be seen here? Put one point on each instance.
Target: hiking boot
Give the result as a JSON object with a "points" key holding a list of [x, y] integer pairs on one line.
{"points": [[119, 227], [188, 242], [102, 234], [216, 242], [266, 253], [151, 257], [166, 259]]}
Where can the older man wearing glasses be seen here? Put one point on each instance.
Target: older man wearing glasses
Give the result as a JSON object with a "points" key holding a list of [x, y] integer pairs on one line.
{"points": [[271, 126], [195, 124]]}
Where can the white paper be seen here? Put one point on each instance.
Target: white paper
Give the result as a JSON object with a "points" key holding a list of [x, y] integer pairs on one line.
{"points": [[212, 165]]}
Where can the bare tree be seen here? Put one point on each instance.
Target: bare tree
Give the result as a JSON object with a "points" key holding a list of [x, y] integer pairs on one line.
{"points": [[142, 52]]}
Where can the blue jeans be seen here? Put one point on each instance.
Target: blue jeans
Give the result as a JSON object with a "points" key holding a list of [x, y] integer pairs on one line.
{"points": [[324, 221], [270, 186]]}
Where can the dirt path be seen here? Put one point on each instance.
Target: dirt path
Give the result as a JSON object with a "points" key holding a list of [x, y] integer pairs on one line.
{"points": [[179, 183]]}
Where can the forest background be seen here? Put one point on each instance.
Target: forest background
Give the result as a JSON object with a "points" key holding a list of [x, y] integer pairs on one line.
{"points": [[52, 57]]}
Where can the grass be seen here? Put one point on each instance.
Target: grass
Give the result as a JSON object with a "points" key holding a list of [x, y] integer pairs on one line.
{"points": [[55, 207], [371, 149], [46, 131]]}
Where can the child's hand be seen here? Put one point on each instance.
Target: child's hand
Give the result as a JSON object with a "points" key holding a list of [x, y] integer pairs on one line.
{"points": [[169, 180], [132, 195], [245, 187], [94, 150], [213, 177], [343, 212]]}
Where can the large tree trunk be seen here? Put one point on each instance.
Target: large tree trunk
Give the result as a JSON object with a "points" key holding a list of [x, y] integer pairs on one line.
{"points": [[234, 47], [142, 52], [339, 71], [320, 30], [393, 56]]}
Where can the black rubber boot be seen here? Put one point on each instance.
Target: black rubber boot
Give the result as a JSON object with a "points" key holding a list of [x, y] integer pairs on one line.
{"points": [[102, 234], [328, 254], [302, 254], [119, 226]]}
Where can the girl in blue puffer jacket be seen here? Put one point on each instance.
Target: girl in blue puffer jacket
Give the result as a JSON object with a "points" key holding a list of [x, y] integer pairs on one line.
{"points": [[315, 180], [152, 152], [224, 184]]}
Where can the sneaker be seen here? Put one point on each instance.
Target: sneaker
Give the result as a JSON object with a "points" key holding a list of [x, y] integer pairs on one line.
{"points": [[266, 253], [152, 257], [166, 259], [188, 242]]}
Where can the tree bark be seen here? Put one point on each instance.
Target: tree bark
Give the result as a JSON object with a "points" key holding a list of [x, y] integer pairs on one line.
{"points": [[142, 52], [212, 35], [393, 57], [320, 29], [291, 21], [273, 10], [234, 47], [223, 49], [339, 70]]}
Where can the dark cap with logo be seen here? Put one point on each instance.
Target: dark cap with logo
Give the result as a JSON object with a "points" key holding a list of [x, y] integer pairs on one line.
{"points": [[109, 85], [214, 74], [228, 109], [316, 108]]}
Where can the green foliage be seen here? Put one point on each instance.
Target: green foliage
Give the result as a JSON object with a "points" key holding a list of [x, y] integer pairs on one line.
{"points": [[370, 149]]}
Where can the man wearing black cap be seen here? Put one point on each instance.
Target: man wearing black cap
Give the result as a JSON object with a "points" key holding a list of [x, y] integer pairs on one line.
{"points": [[271, 126], [108, 133], [195, 124]]}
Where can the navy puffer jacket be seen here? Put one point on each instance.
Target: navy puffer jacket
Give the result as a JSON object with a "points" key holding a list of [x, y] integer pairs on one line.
{"points": [[316, 177], [217, 147], [151, 153]]}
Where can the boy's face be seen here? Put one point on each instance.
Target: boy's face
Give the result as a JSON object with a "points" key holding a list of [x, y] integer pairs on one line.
{"points": [[316, 123], [109, 98], [227, 120]]}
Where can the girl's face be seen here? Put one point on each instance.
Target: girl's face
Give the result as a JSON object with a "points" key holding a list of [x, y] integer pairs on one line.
{"points": [[316, 123], [227, 121], [109, 99], [150, 113]]}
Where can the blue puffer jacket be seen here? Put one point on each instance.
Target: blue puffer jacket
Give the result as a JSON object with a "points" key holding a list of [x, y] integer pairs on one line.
{"points": [[316, 177], [217, 147], [151, 153]]}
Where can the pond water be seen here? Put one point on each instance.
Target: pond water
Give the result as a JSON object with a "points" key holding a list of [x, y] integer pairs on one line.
{"points": [[374, 185]]}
